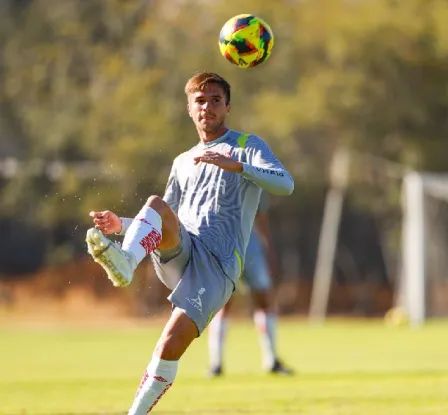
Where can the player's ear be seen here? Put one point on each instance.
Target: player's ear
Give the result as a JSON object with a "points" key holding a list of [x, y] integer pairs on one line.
{"points": [[228, 108], [188, 109]]}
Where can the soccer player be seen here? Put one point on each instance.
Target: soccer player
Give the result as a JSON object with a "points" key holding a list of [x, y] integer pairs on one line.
{"points": [[197, 233], [259, 268]]}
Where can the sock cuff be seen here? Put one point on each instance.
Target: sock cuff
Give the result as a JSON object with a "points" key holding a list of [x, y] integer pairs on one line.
{"points": [[222, 319], [150, 216], [158, 363], [125, 223], [265, 315]]}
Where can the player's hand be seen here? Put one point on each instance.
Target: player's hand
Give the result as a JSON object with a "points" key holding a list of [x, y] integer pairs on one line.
{"points": [[224, 162], [107, 222]]}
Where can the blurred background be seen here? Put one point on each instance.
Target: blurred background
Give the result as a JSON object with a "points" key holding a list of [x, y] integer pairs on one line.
{"points": [[92, 113]]}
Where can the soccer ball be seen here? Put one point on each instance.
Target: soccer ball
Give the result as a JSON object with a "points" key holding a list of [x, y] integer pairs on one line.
{"points": [[246, 40]]}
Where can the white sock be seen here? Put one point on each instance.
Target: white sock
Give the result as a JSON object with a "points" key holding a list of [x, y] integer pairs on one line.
{"points": [[144, 234], [157, 379], [217, 332], [266, 325]]}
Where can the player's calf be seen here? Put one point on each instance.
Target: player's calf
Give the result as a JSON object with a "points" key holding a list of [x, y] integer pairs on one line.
{"points": [[178, 334]]}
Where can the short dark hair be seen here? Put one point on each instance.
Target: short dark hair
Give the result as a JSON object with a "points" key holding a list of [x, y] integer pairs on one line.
{"points": [[199, 81]]}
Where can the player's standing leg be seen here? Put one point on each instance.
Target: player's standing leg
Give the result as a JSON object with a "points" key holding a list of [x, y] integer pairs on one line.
{"points": [[158, 377]]}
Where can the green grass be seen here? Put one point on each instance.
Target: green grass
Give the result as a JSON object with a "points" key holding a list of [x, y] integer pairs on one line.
{"points": [[344, 368]]}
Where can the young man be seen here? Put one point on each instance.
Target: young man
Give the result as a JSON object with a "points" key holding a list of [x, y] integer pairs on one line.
{"points": [[198, 233], [259, 268]]}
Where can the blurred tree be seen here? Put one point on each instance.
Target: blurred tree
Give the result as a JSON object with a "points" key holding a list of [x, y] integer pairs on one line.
{"points": [[102, 81]]}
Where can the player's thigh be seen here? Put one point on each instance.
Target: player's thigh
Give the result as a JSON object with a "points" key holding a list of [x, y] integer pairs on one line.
{"points": [[203, 289], [170, 264]]}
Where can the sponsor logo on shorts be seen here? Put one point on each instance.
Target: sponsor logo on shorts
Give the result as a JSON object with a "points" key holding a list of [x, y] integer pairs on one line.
{"points": [[197, 302]]}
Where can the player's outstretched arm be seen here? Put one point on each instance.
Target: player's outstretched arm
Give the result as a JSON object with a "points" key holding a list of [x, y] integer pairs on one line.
{"points": [[264, 169]]}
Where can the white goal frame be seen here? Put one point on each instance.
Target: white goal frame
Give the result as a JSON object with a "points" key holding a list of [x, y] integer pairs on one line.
{"points": [[413, 284], [411, 290]]}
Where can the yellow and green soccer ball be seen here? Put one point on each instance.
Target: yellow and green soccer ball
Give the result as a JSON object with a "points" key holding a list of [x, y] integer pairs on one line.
{"points": [[246, 40]]}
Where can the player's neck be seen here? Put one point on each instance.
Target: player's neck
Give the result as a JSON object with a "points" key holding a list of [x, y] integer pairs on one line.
{"points": [[206, 137]]}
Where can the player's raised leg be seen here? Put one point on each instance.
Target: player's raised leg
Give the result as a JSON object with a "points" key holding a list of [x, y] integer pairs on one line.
{"points": [[142, 237], [178, 334]]}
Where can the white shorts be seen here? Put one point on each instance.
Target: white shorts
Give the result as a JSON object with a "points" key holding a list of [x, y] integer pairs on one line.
{"points": [[199, 286]]}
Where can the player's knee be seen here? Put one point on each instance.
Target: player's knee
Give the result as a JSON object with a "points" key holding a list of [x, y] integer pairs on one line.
{"points": [[157, 203], [161, 207], [174, 342], [262, 300]]}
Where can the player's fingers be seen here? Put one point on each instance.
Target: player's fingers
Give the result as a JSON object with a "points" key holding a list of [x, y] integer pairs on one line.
{"points": [[100, 221], [95, 214], [103, 227]]}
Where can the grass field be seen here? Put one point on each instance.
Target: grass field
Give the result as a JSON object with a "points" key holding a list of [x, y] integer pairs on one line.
{"points": [[344, 368]]}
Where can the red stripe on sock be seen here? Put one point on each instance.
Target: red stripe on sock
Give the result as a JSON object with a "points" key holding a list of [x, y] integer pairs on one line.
{"points": [[142, 382], [151, 241], [160, 379], [158, 398]]}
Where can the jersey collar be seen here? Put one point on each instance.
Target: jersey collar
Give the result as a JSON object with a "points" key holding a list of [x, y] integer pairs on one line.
{"points": [[221, 139]]}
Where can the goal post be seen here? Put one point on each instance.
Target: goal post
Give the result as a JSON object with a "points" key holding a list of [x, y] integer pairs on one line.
{"points": [[339, 172], [424, 280], [411, 296]]}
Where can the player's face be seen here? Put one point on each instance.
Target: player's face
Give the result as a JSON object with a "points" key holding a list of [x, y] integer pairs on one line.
{"points": [[208, 109]]}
